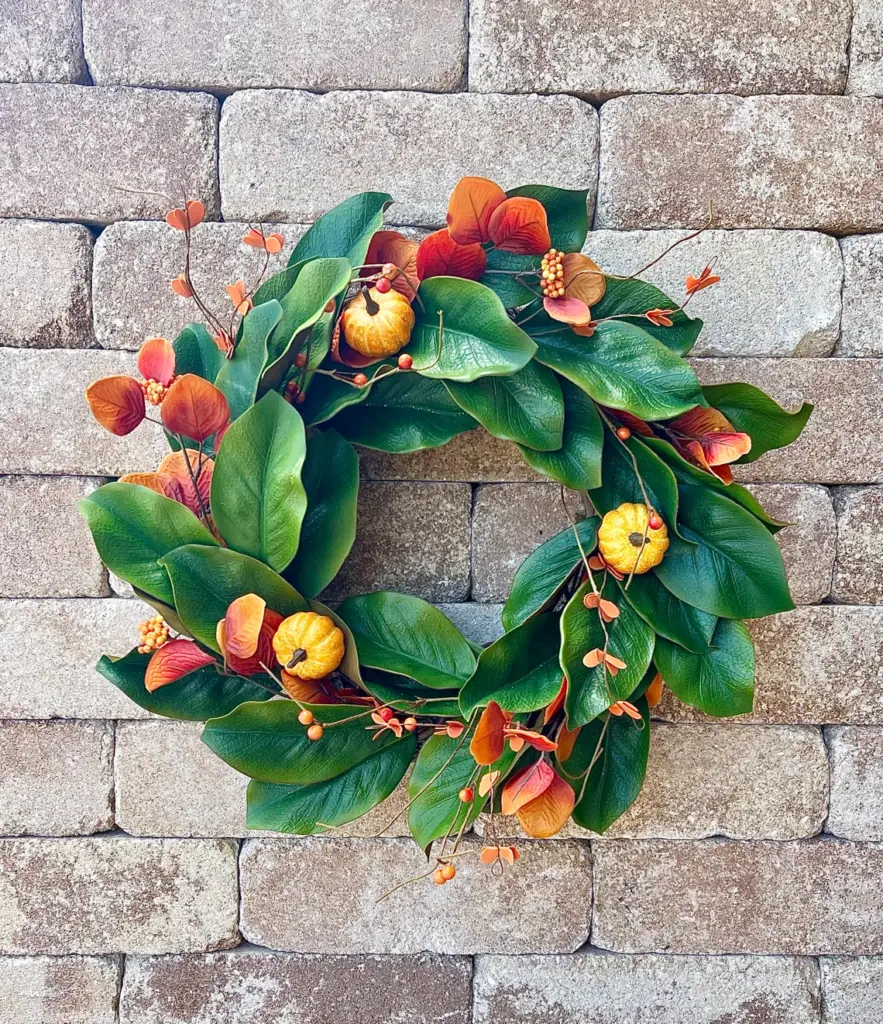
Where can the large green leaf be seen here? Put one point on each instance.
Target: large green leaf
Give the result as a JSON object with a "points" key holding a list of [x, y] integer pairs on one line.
{"points": [[134, 527], [257, 498], [238, 377], [577, 463], [205, 581], [407, 636], [327, 396], [196, 352], [349, 667], [756, 414], [345, 230], [668, 615], [331, 481], [478, 338], [636, 296], [589, 693], [278, 286], [732, 568], [542, 575], [720, 681], [308, 810], [409, 696]]}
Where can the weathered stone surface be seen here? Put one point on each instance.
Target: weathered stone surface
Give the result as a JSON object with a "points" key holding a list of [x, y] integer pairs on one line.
{"points": [[862, 296], [852, 988], [56, 778], [856, 782], [117, 895], [475, 456], [763, 162], [858, 571], [866, 49], [113, 149], [258, 987], [41, 636], [413, 538], [41, 41], [608, 989], [47, 549], [136, 260], [420, 146], [365, 45], [717, 896], [480, 622], [790, 280], [329, 888], [58, 990], [45, 422], [46, 270]]}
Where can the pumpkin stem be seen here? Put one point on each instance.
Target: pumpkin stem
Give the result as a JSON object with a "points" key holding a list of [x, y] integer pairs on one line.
{"points": [[297, 657], [636, 539], [371, 306]]}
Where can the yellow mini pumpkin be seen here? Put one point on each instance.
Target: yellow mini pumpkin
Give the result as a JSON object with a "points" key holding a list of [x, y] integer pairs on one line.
{"points": [[308, 645], [377, 325], [621, 536]]}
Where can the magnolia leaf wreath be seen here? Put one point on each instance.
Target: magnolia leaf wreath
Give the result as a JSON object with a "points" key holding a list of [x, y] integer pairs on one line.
{"points": [[369, 338]]}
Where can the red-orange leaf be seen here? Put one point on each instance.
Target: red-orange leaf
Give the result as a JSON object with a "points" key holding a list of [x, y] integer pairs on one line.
{"points": [[263, 655], [526, 785], [488, 742], [189, 217], [568, 311], [175, 659], [174, 466], [557, 704], [393, 247], [566, 740], [440, 256], [470, 209], [194, 407], [156, 361], [490, 854], [162, 483], [544, 817], [533, 739], [654, 691], [520, 226], [117, 403], [710, 437], [242, 626]]}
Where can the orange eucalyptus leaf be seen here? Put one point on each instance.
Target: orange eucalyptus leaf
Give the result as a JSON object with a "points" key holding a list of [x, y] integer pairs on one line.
{"points": [[566, 740], [454, 729], [557, 704], [526, 785], [308, 691], [241, 302], [660, 317], [440, 256], [194, 407], [533, 739], [489, 740], [263, 655], [172, 661], [117, 403], [182, 219], [490, 854], [180, 287], [520, 226], [568, 311], [545, 817], [471, 206], [654, 691], [393, 247], [242, 625], [162, 483], [175, 466], [705, 280], [156, 360], [486, 782], [583, 278], [273, 243], [710, 437]]}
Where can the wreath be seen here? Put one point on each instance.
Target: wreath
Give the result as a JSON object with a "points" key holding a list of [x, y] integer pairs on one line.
{"points": [[368, 338]]}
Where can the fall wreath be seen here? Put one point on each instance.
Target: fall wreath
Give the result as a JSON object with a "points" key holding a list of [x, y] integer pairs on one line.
{"points": [[369, 338]]}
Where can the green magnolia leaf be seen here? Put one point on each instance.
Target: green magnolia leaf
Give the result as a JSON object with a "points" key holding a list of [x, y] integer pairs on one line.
{"points": [[526, 407], [307, 810], [331, 481], [520, 671], [238, 377], [732, 568], [257, 498], [344, 231], [589, 693], [409, 696], [623, 367], [756, 414], [327, 396], [720, 681], [409, 637], [279, 285], [205, 580], [668, 615], [542, 575], [267, 742], [636, 296], [134, 527], [577, 463], [196, 352], [478, 338], [349, 667], [195, 697], [404, 412]]}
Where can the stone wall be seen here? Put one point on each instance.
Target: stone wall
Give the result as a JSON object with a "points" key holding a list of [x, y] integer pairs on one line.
{"points": [[745, 885]]}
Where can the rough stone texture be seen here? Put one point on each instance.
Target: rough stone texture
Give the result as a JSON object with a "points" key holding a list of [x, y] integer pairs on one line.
{"points": [[329, 888], [856, 782], [411, 538], [117, 895], [603, 988], [474, 456], [858, 571], [46, 270], [46, 425], [56, 778], [861, 334], [258, 987], [47, 550], [113, 149], [51, 649], [58, 990], [790, 280], [763, 162], [41, 41], [308, 45], [852, 988], [717, 896], [480, 622], [866, 49], [420, 146]]}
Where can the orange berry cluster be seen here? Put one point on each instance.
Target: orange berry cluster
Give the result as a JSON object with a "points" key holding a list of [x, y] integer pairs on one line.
{"points": [[443, 874], [154, 392], [154, 633], [552, 275]]}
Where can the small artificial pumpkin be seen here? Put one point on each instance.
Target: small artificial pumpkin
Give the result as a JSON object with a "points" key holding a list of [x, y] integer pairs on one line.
{"points": [[308, 645], [621, 536], [377, 325]]}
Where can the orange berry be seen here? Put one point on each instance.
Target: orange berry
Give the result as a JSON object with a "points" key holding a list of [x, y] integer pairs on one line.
{"points": [[360, 380], [467, 795], [448, 871], [623, 433], [315, 732], [438, 877], [410, 724], [655, 522], [383, 286], [329, 306], [305, 717], [405, 361], [387, 714]]}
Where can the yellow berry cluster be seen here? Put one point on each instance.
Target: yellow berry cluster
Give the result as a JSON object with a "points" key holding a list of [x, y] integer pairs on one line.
{"points": [[552, 275], [154, 392], [154, 633]]}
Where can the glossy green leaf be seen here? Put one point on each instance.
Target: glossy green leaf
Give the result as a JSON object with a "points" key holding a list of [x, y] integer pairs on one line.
{"points": [[409, 696], [344, 231], [636, 296], [196, 352], [349, 667], [668, 615], [278, 286], [238, 377], [328, 396], [577, 463], [756, 414]]}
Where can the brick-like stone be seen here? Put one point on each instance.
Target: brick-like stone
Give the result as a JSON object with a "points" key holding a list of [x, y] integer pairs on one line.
{"points": [[609, 989], [719, 896], [858, 571], [51, 650], [413, 538], [521, 46], [364, 45], [56, 778], [258, 987], [866, 49], [412, 145], [480, 622], [59, 990], [114, 150], [852, 989], [47, 549], [763, 162], [41, 41], [117, 894], [329, 888], [45, 422], [790, 280], [862, 296], [46, 270], [856, 782]]}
